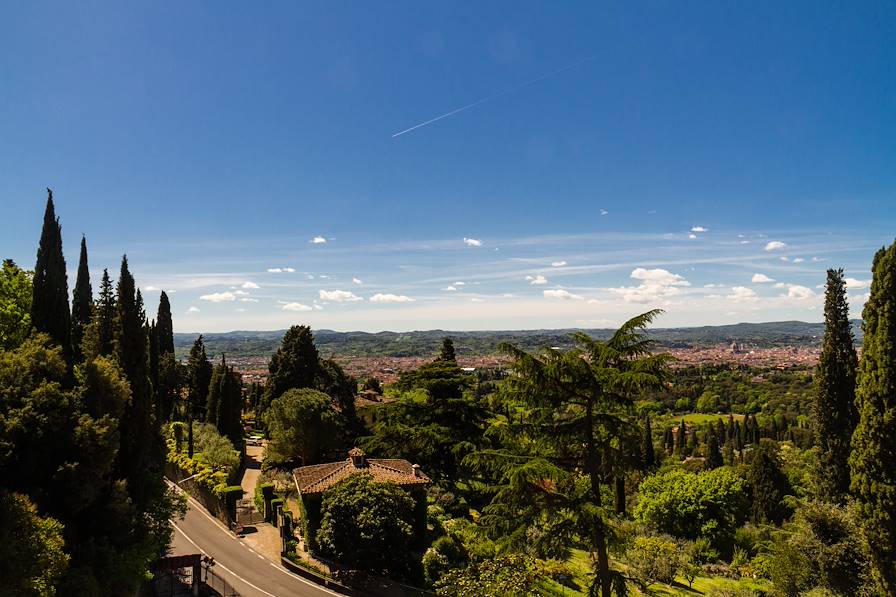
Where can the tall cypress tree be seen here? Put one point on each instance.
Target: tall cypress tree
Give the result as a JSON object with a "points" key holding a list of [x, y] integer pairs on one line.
{"points": [[105, 316], [447, 353], [139, 458], [648, 456], [82, 303], [296, 364], [49, 303], [836, 416], [153, 343], [199, 374], [713, 453], [164, 326], [872, 462]]}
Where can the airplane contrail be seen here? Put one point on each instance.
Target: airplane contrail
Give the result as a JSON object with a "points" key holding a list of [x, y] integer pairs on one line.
{"points": [[494, 96]]}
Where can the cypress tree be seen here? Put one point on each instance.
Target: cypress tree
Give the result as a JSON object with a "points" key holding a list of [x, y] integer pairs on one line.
{"points": [[139, 458], [873, 460], [199, 374], [216, 387], [681, 439], [296, 364], [230, 407], [153, 338], [82, 303], [105, 317], [834, 407], [768, 483], [647, 453], [713, 454], [164, 326], [447, 353], [49, 303]]}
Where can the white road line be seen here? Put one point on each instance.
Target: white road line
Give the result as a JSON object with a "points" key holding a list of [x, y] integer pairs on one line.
{"points": [[222, 566], [201, 509]]}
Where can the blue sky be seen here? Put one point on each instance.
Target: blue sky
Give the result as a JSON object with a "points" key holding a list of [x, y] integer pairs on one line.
{"points": [[214, 142]]}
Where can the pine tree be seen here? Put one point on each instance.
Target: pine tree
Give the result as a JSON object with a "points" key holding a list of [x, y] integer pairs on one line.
{"points": [[230, 407], [872, 462], [713, 454], [153, 344], [834, 407], [82, 303], [447, 353], [49, 305], [164, 326], [647, 452], [140, 455]]}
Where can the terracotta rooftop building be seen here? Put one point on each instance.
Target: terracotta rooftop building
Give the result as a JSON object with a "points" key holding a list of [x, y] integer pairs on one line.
{"points": [[312, 481], [317, 478]]}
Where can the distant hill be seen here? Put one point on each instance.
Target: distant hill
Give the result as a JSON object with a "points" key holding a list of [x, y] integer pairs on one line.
{"points": [[427, 343]]}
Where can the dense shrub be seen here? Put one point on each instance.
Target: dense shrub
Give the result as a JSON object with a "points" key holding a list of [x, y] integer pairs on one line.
{"points": [[653, 559], [687, 505]]}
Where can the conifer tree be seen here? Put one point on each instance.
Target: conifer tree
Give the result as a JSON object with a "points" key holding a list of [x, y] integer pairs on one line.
{"points": [[447, 353], [164, 326], [834, 407], [768, 483], [681, 439], [647, 452], [230, 407], [296, 364], [82, 303], [104, 318], [199, 374], [153, 344], [713, 453], [49, 305], [215, 389], [872, 462], [139, 458]]}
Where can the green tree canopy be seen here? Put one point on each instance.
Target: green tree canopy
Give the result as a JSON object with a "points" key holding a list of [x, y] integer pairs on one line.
{"points": [[367, 525], [15, 305], [32, 558], [447, 353], [710, 504], [296, 364], [302, 424], [768, 484]]}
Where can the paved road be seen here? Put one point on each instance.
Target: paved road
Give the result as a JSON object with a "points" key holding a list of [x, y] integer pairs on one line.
{"points": [[247, 571]]}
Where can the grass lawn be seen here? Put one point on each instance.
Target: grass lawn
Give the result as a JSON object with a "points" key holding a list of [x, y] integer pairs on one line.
{"points": [[698, 418], [581, 567]]}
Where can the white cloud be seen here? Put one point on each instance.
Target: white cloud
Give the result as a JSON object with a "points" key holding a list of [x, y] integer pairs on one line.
{"points": [[699, 229], [761, 279], [782, 258], [559, 293], [240, 293], [390, 298], [603, 212], [193, 310], [537, 280], [280, 270], [250, 286], [476, 299], [775, 245], [745, 242], [318, 307], [472, 242], [460, 283], [798, 260], [450, 289], [558, 263], [854, 284], [780, 285], [816, 259], [659, 276], [248, 300], [218, 297], [713, 286], [339, 296], [317, 240], [356, 281], [149, 288], [742, 294], [799, 292], [593, 302], [295, 307], [692, 236], [656, 284]]}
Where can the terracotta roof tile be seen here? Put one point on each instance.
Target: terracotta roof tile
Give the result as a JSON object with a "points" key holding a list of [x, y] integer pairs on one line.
{"points": [[317, 478]]}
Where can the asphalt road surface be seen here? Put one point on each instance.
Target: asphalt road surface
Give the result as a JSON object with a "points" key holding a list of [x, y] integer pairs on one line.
{"points": [[247, 571]]}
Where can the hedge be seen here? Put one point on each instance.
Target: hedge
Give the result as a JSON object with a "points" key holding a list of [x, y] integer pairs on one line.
{"points": [[214, 481]]}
